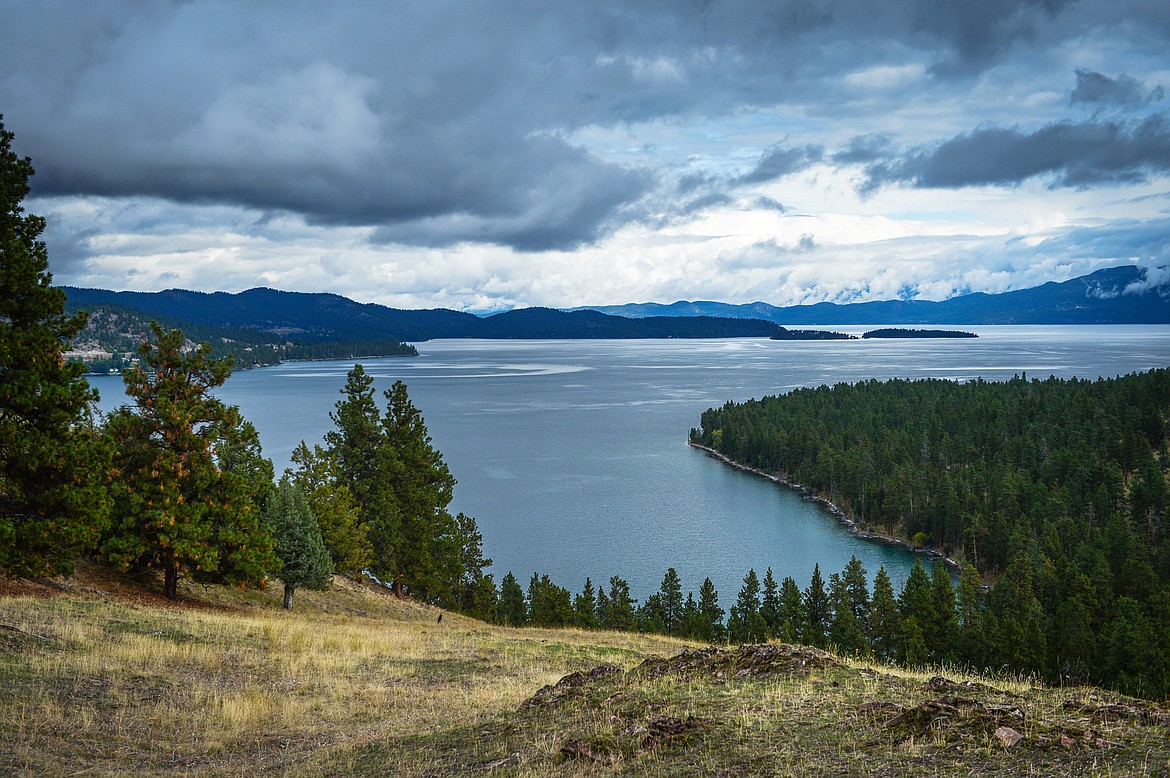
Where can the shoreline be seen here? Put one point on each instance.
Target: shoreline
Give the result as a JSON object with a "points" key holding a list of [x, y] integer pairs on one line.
{"points": [[842, 518]]}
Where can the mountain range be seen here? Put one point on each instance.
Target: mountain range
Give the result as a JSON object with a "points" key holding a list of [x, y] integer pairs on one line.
{"points": [[1118, 295]]}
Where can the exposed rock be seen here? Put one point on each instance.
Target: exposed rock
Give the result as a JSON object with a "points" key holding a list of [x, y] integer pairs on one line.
{"points": [[743, 662], [565, 686], [1008, 736], [940, 684], [663, 728], [582, 749], [953, 720]]}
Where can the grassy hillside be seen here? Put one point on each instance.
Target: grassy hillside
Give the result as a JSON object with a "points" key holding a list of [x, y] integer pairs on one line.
{"points": [[100, 677]]}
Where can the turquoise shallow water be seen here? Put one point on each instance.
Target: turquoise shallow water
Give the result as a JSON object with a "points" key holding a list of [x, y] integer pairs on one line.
{"points": [[572, 455]]}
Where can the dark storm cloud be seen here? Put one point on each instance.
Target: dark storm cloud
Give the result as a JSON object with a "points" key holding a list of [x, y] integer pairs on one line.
{"points": [[1072, 155], [443, 122], [1125, 91], [779, 162]]}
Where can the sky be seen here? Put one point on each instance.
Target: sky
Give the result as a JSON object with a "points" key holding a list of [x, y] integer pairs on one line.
{"points": [[486, 154]]}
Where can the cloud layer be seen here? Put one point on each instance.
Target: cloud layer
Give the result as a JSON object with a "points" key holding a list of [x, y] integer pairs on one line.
{"points": [[503, 153]]}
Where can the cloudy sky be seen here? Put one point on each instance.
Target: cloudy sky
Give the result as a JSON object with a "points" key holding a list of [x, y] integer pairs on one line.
{"points": [[488, 154]]}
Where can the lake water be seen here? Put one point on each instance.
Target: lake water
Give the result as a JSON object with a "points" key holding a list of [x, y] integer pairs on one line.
{"points": [[572, 455]]}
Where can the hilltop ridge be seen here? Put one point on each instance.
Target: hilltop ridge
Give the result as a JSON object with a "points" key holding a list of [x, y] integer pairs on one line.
{"points": [[107, 677]]}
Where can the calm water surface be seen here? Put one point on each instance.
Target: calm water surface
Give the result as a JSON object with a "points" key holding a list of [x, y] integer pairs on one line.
{"points": [[572, 455]]}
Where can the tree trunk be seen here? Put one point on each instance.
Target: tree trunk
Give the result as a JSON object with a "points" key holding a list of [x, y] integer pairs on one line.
{"points": [[396, 587], [171, 582], [288, 593]]}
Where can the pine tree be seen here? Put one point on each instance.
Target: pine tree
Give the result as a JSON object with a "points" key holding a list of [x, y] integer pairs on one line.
{"points": [[670, 592], [817, 610], [620, 613], [422, 487], [791, 616], [585, 606], [745, 624], [944, 626], [304, 560], [846, 633], [512, 609], [53, 503], [916, 608], [710, 615], [770, 605], [884, 618], [332, 503], [177, 507]]}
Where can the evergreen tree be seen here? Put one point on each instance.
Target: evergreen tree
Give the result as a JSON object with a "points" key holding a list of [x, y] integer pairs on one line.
{"points": [[770, 605], [304, 560], [885, 626], [332, 503], [690, 621], [176, 506], [817, 610], [916, 608], [846, 633], [619, 613], [549, 605], [585, 606], [422, 487], [944, 626], [792, 616], [651, 615], [467, 567], [670, 594], [53, 503], [512, 609], [745, 624], [710, 615]]}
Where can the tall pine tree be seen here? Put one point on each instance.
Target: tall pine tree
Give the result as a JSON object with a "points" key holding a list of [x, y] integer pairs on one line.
{"points": [[53, 505]]}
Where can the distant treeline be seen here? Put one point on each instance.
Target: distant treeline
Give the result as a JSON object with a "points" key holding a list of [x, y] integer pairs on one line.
{"points": [[897, 332], [921, 624], [1057, 489]]}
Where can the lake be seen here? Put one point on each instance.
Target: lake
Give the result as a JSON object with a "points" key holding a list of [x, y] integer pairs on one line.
{"points": [[572, 455]]}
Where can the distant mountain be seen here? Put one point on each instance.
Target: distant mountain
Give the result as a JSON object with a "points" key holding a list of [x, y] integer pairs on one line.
{"points": [[299, 317], [1098, 298]]}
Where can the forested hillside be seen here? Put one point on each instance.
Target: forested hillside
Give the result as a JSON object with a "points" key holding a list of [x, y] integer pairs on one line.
{"points": [[114, 332], [1055, 489]]}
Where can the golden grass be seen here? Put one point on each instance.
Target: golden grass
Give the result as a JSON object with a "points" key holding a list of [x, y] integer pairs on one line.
{"points": [[355, 682], [116, 688]]}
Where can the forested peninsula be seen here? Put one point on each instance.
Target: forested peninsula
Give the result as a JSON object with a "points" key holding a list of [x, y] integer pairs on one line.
{"points": [[1055, 490]]}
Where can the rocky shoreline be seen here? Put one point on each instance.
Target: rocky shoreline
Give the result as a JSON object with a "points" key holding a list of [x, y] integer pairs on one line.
{"points": [[840, 515]]}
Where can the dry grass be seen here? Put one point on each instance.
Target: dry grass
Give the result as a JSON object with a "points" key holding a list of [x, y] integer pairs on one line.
{"points": [[354, 682], [100, 685]]}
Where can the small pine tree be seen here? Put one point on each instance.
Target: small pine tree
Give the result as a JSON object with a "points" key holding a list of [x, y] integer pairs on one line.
{"points": [[304, 560], [585, 606], [333, 505], [670, 593], [512, 609], [710, 615], [817, 610], [791, 615], [745, 624], [770, 605]]}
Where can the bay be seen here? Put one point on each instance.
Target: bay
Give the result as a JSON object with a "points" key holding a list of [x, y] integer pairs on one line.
{"points": [[572, 455]]}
